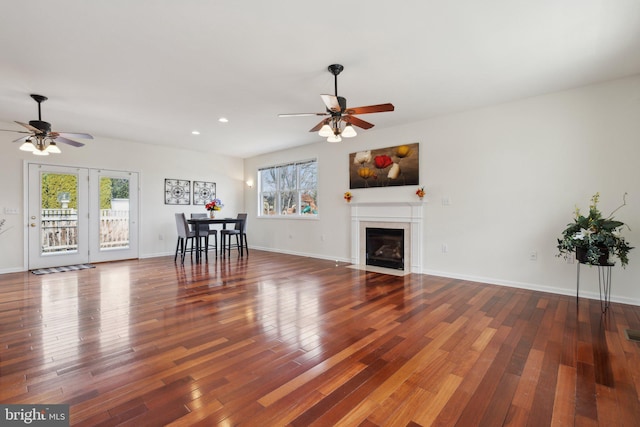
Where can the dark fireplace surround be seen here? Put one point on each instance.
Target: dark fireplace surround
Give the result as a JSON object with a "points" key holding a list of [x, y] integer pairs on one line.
{"points": [[385, 247]]}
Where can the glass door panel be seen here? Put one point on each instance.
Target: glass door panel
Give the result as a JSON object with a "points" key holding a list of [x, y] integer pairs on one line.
{"points": [[57, 230], [114, 231], [114, 213]]}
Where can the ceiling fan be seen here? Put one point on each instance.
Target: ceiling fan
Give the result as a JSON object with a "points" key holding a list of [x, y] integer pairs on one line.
{"points": [[340, 120], [40, 139]]}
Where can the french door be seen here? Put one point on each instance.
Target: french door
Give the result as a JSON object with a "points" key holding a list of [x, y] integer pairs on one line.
{"points": [[80, 215]]}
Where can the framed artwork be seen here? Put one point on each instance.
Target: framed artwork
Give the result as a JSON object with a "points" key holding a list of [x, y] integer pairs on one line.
{"points": [[177, 192], [203, 192], [385, 167]]}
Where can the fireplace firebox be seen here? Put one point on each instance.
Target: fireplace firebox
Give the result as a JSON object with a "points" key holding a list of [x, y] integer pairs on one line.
{"points": [[385, 247]]}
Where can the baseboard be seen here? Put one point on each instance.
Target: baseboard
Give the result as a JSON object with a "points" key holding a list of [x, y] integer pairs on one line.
{"points": [[530, 286], [12, 270], [157, 255], [308, 255]]}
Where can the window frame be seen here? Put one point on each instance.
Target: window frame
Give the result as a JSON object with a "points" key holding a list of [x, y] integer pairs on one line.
{"points": [[278, 189]]}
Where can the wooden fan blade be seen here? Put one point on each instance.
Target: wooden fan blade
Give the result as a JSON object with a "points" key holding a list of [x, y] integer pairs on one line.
{"points": [[68, 141], [357, 122], [302, 114], [73, 135], [331, 102], [317, 127], [380, 108], [11, 130], [21, 139], [28, 126]]}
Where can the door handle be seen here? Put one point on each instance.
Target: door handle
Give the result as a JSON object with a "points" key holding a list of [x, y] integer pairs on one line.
{"points": [[33, 224]]}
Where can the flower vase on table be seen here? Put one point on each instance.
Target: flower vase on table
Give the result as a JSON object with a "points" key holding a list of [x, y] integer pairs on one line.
{"points": [[213, 206]]}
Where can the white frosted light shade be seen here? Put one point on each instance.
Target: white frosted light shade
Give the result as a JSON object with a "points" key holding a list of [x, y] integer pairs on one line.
{"points": [[53, 148], [334, 138], [40, 153], [325, 131], [349, 131], [27, 146]]}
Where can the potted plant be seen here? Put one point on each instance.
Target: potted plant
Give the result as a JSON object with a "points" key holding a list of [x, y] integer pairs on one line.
{"points": [[594, 238]]}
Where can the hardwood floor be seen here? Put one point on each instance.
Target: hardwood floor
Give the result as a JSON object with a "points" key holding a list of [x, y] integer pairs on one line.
{"points": [[274, 339]]}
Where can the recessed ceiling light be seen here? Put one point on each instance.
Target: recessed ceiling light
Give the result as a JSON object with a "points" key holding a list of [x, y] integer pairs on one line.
{"points": [[195, 132], [223, 120]]}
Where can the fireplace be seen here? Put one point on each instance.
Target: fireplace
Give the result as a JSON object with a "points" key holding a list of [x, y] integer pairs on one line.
{"points": [[385, 247], [403, 217]]}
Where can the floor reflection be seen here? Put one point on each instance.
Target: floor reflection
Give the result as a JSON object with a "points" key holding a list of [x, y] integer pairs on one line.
{"points": [[289, 311], [115, 301], [59, 325]]}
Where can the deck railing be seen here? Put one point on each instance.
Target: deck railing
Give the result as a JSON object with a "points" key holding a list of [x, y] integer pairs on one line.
{"points": [[60, 229]]}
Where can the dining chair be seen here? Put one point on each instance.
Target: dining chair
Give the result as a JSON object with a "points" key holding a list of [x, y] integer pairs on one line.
{"points": [[185, 235], [238, 230], [205, 231]]}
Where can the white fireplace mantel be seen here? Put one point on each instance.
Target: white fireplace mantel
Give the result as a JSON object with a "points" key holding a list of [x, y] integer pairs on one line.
{"points": [[402, 215]]}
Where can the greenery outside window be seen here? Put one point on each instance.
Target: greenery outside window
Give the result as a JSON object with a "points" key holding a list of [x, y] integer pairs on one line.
{"points": [[289, 190]]}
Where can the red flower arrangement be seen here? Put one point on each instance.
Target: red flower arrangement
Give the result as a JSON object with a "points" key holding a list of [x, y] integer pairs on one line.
{"points": [[214, 205]]}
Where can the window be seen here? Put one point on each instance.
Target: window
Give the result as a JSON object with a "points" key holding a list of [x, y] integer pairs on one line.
{"points": [[290, 189]]}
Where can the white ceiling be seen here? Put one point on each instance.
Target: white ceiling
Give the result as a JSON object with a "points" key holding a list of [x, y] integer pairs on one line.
{"points": [[154, 70]]}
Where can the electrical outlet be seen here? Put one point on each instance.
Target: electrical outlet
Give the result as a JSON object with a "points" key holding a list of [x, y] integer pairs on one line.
{"points": [[445, 248], [533, 256], [160, 237], [446, 201], [11, 211]]}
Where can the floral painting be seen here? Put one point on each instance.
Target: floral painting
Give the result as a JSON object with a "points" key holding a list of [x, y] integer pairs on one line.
{"points": [[385, 167]]}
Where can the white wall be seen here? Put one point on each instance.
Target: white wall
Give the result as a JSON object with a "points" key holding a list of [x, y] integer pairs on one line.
{"points": [[513, 174], [154, 165]]}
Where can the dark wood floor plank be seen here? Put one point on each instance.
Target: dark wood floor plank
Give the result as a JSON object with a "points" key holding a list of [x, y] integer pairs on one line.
{"points": [[275, 339]]}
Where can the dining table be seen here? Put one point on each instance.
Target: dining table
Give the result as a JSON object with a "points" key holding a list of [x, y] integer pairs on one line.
{"points": [[224, 221]]}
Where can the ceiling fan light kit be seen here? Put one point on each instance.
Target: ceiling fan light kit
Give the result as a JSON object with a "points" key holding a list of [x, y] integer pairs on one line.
{"points": [[325, 131], [27, 146], [342, 119], [349, 131], [334, 138], [42, 141], [53, 148]]}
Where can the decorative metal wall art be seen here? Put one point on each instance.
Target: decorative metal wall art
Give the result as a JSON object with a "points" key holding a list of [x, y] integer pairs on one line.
{"points": [[385, 167], [203, 192], [177, 192]]}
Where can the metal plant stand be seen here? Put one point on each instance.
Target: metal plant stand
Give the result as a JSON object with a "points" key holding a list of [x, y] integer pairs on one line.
{"points": [[604, 285]]}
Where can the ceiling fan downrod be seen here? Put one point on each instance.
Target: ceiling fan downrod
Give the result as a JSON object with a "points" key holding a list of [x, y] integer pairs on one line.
{"points": [[335, 69], [39, 124], [39, 99]]}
